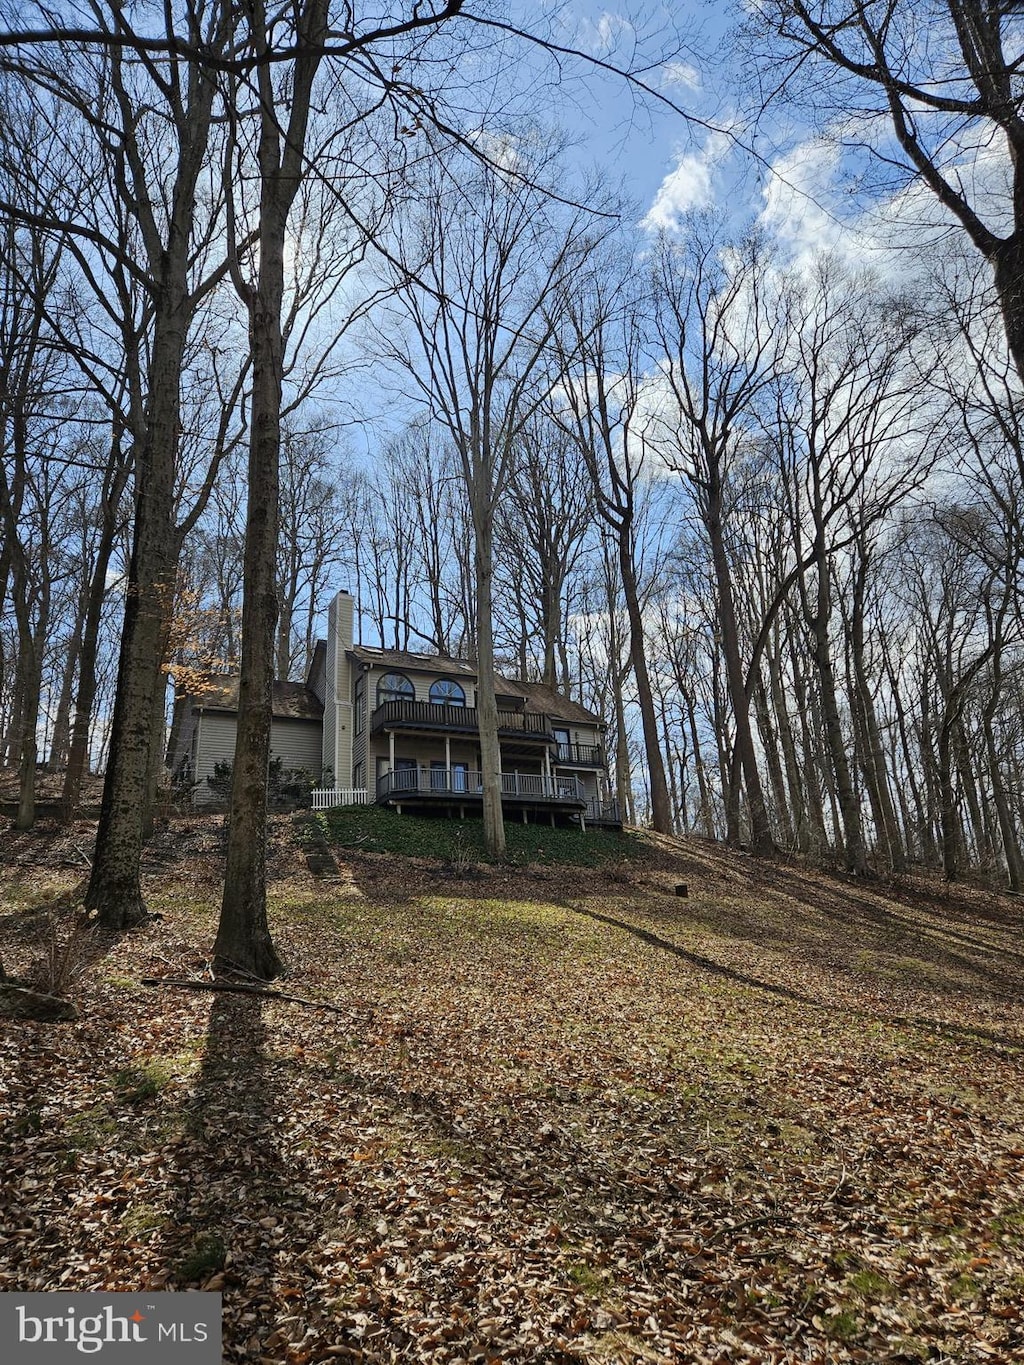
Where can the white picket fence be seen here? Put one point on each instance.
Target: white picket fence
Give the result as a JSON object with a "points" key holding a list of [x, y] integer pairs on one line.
{"points": [[325, 797]]}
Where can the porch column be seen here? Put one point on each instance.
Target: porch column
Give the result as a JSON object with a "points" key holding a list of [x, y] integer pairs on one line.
{"points": [[448, 759], [391, 751], [548, 785]]}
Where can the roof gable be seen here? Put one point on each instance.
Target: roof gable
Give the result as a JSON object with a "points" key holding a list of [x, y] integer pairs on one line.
{"points": [[291, 700]]}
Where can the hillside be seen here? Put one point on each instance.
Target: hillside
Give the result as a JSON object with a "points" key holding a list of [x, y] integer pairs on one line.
{"points": [[559, 1113]]}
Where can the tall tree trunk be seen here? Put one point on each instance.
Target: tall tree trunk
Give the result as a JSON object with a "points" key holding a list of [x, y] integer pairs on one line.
{"points": [[873, 762], [849, 805], [980, 827], [31, 637], [1008, 834], [1011, 844], [243, 935], [61, 736], [661, 809], [706, 814], [920, 823], [950, 731], [487, 705], [85, 698], [619, 672], [1008, 269], [728, 774], [29, 668], [801, 828], [770, 745], [929, 747], [676, 805], [761, 840], [948, 819], [115, 888]]}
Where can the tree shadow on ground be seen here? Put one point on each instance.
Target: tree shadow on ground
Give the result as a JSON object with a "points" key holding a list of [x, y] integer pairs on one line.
{"points": [[698, 960], [832, 923], [229, 1229], [956, 1032]]}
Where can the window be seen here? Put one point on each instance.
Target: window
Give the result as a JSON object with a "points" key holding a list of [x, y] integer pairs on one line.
{"points": [[562, 739], [447, 692], [395, 687], [360, 704]]}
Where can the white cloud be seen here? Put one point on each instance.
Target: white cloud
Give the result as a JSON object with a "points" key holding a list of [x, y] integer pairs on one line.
{"points": [[500, 149], [688, 186], [681, 74], [796, 196], [811, 204], [610, 28]]}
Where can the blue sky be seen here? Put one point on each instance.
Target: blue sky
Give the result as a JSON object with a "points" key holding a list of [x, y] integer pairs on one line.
{"points": [[662, 158]]}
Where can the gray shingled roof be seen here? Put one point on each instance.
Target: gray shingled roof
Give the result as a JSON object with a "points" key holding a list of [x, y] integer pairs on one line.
{"points": [[291, 700], [547, 701], [408, 662]]}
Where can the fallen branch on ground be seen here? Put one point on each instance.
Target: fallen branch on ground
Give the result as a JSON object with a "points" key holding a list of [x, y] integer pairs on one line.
{"points": [[183, 984]]}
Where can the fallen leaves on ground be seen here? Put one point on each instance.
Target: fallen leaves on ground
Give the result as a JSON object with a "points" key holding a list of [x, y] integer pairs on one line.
{"points": [[565, 1116]]}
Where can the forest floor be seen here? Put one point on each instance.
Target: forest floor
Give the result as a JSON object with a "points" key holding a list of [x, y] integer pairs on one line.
{"points": [[562, 1115]]}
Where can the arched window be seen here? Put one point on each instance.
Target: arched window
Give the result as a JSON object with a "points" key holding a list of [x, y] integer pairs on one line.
{"points": [[447, 692], [395, 687]]}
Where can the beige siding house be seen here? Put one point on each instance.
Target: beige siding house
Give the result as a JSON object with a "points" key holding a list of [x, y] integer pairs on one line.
{"points": [[205, 724], [404, 730], [400, 729]]}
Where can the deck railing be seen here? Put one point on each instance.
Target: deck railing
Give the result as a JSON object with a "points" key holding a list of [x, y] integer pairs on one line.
{"points": [[602, 812], [468, 784], [326, 797], [465, 718], [583, 755]]}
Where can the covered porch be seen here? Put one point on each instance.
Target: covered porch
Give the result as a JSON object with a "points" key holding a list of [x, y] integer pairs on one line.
{"points": [[458, 789]]}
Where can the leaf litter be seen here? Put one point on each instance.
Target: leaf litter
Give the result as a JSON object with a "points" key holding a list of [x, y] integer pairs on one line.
{"points": [[562, 1116]]}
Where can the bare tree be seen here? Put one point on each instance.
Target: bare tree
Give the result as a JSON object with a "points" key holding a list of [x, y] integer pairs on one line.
{"points": [[720, 319], [30, 430], [940, 76], [311, 541], [856, 435], [602, 355], [117, 98], [477, 271], [542, 530]]}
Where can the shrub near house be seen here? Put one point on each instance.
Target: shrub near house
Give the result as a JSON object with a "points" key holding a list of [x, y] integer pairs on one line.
{"points": [[287, 788]]}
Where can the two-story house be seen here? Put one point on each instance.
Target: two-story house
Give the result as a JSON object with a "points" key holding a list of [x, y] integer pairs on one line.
{"points": [[401, 728]]}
